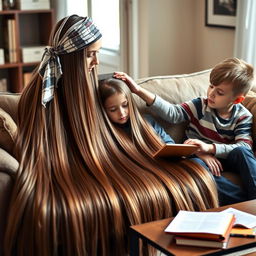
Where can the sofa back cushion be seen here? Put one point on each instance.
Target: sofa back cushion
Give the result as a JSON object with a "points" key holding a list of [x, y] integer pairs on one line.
{"points": [[9, 103], [8, 130]]}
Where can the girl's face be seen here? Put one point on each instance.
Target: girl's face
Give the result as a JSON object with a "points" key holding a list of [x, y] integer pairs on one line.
{"points": [[117, 109], [92, 55]]}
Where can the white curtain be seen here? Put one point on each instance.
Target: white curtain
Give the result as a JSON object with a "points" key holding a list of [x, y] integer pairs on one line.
{"points": [[245, 35]]}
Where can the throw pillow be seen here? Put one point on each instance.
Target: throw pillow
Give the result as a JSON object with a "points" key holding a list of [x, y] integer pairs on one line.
{"points": [[8, 129]]}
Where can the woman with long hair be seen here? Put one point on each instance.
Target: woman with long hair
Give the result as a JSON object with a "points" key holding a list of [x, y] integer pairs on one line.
{"points": [[80, 182]]}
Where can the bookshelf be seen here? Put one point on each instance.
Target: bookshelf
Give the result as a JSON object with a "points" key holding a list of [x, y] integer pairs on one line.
{"points": [[27, 28]]}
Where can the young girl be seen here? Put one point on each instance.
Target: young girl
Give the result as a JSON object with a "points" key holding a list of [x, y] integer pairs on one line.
{"points": [[118, 103]]}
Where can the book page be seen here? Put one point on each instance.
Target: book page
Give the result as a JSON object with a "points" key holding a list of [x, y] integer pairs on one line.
{"points": [[200, 222], [244, 219]]}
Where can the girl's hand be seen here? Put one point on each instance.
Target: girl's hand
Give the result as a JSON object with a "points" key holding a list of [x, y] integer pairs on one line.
{"points": [[203, 147], [128, 80], [213, 163]]}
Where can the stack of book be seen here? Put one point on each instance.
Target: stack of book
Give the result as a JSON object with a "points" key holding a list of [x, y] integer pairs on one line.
{"points": [[206, 229]]}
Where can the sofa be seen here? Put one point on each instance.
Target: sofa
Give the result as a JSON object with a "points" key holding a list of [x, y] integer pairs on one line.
{"points": [[176, 89]]}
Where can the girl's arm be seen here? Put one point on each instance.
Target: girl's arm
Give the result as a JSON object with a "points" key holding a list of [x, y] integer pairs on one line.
{"points": [[144, 94]]}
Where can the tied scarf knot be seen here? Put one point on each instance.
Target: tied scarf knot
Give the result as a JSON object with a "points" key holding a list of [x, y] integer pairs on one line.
{"points": [[50, 71]]}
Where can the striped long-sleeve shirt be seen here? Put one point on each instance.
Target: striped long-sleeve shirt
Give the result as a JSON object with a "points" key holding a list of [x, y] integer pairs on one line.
{"points": [[207, 126]]}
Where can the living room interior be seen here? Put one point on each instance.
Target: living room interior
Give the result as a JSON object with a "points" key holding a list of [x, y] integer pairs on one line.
{"points": [[170, 37], [168, 46]]}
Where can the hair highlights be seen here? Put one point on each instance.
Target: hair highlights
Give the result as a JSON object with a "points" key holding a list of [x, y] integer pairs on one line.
{"points": [[82, 182]]}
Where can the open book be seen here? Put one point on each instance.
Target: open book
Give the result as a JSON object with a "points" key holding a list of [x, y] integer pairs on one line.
{"points": [[243, 219], [214, 226], [176, 150]]}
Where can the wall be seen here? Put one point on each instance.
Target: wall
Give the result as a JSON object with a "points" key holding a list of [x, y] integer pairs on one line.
{"points": [[212, 44], [176, 40]]}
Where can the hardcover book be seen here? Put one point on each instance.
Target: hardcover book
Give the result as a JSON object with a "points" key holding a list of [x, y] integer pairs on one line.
{"points": [[202, 242], [176, 150], [214, 226]]}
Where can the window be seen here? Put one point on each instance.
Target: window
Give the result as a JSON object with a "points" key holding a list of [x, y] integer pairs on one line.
{"points": [[106, 16]]}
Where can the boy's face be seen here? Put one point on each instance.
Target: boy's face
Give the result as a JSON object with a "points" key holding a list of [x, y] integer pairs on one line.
{"points": [[221, 97], [117, 109]]}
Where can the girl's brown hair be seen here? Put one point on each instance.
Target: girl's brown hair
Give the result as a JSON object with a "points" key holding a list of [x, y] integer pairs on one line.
{"points": [[81, 182]]}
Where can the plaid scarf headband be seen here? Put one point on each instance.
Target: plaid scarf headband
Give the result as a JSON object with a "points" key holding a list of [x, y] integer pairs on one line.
{"points": [[78, 36]]}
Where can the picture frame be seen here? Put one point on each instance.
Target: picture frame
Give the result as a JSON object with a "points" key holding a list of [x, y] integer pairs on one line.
{"points": [[220, 13]]}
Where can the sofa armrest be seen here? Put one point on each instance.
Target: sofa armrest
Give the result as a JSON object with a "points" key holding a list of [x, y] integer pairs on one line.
{"points": [[8, 164], [6, 185], [250, 103]]}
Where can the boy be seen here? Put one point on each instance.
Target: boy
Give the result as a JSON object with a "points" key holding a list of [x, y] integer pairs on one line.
{"points": [[218, 123]]}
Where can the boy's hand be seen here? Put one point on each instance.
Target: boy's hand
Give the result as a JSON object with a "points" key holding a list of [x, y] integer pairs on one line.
{"points": [[213, 163], [203, 147], [128, 80], [144, 94]]}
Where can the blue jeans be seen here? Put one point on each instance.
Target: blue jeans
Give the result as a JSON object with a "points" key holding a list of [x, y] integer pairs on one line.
{"points": [[242, 161]]}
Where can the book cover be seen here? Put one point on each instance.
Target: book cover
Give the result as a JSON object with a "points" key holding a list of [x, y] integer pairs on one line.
{"points": [[10, 44], [203, 225], [176, 150], [14, 43], [202, 243]]}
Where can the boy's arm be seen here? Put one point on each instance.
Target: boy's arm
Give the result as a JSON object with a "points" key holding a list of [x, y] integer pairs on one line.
{"points": [[243, 137], [170, 112]]}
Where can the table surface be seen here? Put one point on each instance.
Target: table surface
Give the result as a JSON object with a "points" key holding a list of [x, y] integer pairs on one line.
{"points": [[153, 233]]}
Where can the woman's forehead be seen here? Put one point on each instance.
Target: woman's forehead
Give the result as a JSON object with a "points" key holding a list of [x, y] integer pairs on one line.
{"points": [[95, 46]]}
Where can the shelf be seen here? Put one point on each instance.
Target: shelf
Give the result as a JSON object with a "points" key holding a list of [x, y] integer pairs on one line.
{"points": [[29, 28]]}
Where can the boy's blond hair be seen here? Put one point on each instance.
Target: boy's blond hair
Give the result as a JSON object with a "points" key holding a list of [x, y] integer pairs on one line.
{"points": [[235, 71]]}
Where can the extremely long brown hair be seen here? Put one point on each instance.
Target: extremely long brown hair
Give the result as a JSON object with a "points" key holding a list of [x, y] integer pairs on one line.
{"points": [[81, 182]]}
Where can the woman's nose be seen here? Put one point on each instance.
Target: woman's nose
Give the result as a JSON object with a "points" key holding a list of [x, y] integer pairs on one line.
{"points": [[96, 59]]}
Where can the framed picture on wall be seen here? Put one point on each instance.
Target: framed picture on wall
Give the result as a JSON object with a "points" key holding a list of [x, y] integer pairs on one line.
{"points": [[220, 13]]}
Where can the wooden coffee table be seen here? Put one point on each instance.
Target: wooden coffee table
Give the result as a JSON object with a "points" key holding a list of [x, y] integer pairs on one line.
{"points": [[153, 234]]}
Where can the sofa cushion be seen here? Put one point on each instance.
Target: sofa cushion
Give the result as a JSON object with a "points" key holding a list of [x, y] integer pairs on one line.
{"points": [[8, 130], [9, 103], [8, 164], [6, 184]]}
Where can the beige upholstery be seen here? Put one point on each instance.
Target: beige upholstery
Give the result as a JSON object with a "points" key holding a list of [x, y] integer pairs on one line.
{"points": [[175, 89]]}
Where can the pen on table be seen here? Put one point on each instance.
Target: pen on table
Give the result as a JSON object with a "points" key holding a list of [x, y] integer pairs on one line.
{"points": [[242, 235]]}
